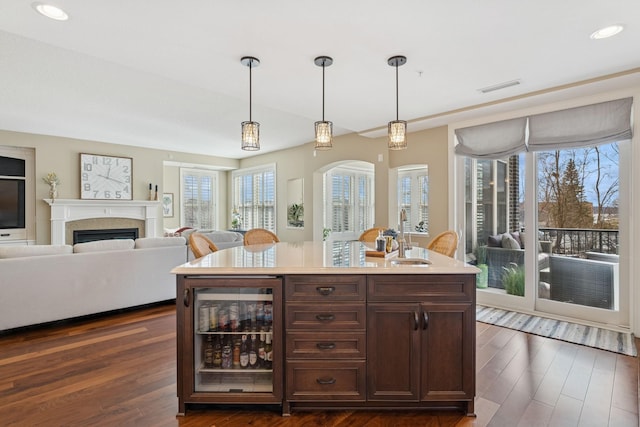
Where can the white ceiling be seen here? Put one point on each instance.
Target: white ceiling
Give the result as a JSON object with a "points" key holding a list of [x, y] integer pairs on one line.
{"points": [[166, 74]]}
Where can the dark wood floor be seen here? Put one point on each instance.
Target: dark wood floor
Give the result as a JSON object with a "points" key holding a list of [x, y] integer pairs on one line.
{"points": [[121, 371]]}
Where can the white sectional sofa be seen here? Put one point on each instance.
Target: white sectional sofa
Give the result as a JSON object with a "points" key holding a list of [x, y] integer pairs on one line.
{"points": [[46, 283]]}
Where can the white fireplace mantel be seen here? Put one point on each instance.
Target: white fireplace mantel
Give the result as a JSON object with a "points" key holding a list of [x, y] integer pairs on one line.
{"points": [[66, 210]]}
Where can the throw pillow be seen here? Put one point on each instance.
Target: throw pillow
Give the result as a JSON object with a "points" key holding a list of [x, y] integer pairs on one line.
{"points": [[157, 242], [518, 238], [509, 242], [494, 241]]}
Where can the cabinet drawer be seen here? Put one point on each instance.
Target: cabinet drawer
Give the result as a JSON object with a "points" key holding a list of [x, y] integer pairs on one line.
{"points": [[326, 380], [325, 288], [325, 316], [326, 345], [436, 287]]}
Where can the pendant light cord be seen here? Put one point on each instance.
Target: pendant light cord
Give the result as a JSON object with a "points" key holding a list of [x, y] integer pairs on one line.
{"points": [[250, 66], [323, 63], [397, 99]]}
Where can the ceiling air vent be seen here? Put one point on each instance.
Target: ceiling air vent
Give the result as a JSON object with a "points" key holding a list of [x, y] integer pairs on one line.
{"points": [[499, 86]]}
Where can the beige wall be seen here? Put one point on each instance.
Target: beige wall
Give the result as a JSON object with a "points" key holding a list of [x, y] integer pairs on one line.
{"points": [[62, 156]]}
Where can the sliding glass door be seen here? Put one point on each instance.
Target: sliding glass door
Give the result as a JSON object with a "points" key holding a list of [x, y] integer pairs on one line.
{"points": [[546, 230]]}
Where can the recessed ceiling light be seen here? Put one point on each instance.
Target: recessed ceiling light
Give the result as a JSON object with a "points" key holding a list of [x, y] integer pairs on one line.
{"points": [[51, 11], [606, 32]]}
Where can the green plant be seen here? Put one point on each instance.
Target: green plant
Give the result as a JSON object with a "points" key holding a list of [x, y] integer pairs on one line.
{"points": [[481, 254], [513, 279], [325, 233]]}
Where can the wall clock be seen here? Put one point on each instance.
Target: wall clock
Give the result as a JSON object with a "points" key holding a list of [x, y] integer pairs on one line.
{"points": [[105, 177]]}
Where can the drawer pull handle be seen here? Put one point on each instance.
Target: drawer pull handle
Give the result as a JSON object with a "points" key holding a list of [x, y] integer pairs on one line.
{"points": [[325, 317], [325, 290], [325, 381], [326, 345]]}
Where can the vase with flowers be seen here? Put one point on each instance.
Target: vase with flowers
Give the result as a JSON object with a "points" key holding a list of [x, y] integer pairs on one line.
{"points": [[53, 181]]}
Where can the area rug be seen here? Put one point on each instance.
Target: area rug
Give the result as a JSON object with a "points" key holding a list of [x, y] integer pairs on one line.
{"points": [[618, 342]]}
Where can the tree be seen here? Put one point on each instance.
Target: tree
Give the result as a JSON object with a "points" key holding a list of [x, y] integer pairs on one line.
{"points": [[571, 209]]}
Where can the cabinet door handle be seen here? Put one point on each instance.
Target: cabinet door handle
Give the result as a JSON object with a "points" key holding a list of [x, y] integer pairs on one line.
{"points": [[325, 290], [416, 321], [185, 298], [325, 317], [325, 381], [326, 345], [425, 320]]}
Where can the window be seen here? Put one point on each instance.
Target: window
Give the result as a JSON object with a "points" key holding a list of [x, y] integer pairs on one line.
{"points": [[198, 198], [254, 197], [349, 200], [413, 197]]}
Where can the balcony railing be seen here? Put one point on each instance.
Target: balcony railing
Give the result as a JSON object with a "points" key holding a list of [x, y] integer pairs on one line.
{"points": [[577, 241]]}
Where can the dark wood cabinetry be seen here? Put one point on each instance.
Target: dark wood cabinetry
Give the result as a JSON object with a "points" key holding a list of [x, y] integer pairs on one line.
{"points": [[421, 340], [350, 340], [325, 318]]}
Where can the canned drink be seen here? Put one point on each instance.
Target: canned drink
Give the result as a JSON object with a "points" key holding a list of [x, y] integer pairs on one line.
{"points": [[203, 321], [213, 318], [223, 320]]}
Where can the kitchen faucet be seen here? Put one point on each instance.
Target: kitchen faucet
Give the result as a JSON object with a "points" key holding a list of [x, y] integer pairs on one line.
{"points": [[401, 241]]}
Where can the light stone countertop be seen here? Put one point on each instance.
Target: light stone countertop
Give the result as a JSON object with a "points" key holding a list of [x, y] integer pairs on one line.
{"points": [[316, 258]]}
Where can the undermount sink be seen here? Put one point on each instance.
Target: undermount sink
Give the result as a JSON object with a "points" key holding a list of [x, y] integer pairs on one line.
{"points": [[410, 261]]}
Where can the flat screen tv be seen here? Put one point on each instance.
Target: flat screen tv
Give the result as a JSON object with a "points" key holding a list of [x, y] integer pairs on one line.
{"points": [[12, 211]]}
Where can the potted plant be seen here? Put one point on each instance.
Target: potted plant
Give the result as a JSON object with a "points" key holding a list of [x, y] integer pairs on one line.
{"points": [[513, 279], [481, 263]]}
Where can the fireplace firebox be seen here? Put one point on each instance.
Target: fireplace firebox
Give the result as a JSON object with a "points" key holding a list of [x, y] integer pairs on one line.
{"points": [[83, 236]]}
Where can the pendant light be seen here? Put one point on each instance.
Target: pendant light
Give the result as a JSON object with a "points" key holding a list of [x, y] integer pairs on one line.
{"points": [[324, 129], [250, 129], [397, 128]]}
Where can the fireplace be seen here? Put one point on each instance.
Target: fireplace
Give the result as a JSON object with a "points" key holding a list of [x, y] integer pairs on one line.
{"points": [[82, 236], [66, 211]]}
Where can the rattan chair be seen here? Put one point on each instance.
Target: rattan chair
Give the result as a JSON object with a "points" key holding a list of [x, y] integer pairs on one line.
{"points": [[370, 235], [256, 236], [201, 245], [445, 243]]}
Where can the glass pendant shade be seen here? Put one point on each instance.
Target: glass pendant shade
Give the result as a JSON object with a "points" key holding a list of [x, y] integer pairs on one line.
{"points": [[250, 136], [397, 135], [324, 135]]}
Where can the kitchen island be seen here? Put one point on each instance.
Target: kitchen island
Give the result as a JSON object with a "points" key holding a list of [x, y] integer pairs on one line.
{"points": [[322, 325]]}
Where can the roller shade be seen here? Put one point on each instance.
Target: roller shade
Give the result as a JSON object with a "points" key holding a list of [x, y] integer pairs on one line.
{"points": [[581, 126], [492, 140]]}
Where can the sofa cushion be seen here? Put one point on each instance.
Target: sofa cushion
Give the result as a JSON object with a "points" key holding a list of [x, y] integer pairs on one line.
{"points": [[158, 242], [34, 250], [518, 238], [509, 242], [104, 245], [494, 241]]}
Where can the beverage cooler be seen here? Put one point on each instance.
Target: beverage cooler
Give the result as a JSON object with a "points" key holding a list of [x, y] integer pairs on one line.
{"points": [[229, 340]]}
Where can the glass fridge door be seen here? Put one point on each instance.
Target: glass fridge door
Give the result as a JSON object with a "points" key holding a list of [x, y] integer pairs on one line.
{"points": [[233, 340]]}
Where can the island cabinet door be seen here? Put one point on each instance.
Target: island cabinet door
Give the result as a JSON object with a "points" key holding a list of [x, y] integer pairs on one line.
{"points": [[229, 336], [393, 352], [448, 352]]}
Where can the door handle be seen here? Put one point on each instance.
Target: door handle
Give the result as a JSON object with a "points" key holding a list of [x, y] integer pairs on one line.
{"points": [[425, 320], [416, 320]]}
